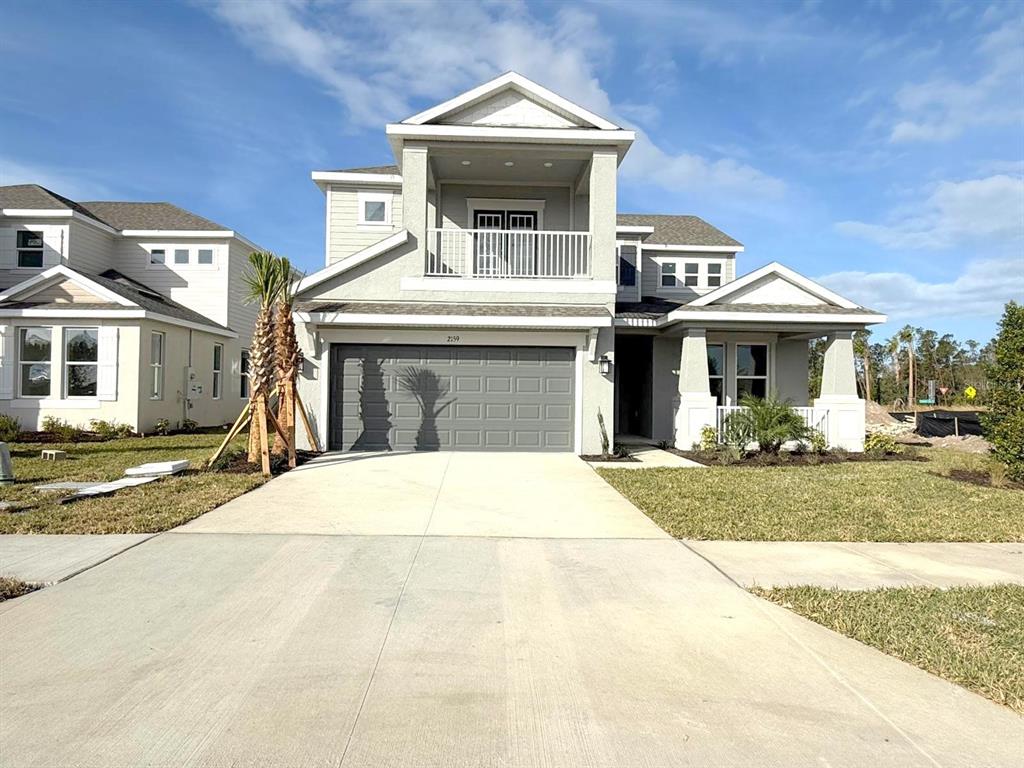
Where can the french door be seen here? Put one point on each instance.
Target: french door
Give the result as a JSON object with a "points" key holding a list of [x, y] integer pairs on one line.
{"points": [[511, 250]]}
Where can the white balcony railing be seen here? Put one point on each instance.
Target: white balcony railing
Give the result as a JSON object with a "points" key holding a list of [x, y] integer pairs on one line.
{"points": [[507, 253], [815, 418]]}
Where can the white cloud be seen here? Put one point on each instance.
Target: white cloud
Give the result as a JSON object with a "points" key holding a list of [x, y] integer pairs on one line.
{"points": [[989, 210], [942, 108], [981, 289], [378, 69]]}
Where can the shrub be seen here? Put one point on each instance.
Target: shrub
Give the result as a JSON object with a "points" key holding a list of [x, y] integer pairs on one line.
{"points": [[189, 426], [110, 429], [621, 452], [62, 430], [708, 438], [769, 422], [818, 441], [1003, 423], [9, 428], [881, 444], [729, 454], [162, 427]]}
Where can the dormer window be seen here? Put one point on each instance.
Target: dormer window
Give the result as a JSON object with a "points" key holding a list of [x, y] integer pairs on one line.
{"points": [[205, 255], [668, 274], [690, 277], [158, 256], [714, 275], [30, 249], [181, 255], [375, 209]]}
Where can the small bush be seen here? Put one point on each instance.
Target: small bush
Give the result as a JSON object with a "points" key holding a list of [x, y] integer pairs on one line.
{"points": [[11, 587], [188, 426], [729, 454], [162, 427], [622, 452], [882, 445], [998, 474], [818, 441], [62, 430], [708, 438], [769, 422], [9, 428], [110, 429]]}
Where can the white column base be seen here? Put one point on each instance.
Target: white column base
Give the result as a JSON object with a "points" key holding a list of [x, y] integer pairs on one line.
{"points": [[846, 421], [695, 412]]}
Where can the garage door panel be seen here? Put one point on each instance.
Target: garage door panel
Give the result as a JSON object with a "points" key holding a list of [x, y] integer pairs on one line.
{"points": [[402, 397]]}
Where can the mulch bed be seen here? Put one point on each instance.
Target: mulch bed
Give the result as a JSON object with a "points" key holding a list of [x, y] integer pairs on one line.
{"points": [[610, 457], [237, 464], [50, 437], [794, 459], [979, 477]]}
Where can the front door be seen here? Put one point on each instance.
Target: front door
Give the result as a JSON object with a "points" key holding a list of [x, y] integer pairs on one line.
{"points": [[507, 251]]}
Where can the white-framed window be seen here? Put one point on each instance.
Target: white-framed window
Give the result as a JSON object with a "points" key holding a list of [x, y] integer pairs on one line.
{"points": [[374, 209], [243, 390], [157, 343], [218, 370], [716, 371], [30, 249], [157, 256], [714, 275], [81, 361], [691, 270], [751, 370], [668, 274], [34, 362], [181, 255], [205, 255]]}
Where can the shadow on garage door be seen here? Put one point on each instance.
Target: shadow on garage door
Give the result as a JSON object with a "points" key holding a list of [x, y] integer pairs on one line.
{"points": [[428, 398]]}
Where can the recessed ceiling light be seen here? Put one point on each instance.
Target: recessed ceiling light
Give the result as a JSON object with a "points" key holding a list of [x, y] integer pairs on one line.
{"points": [[548, 164], [467, 162], [509, 163]]}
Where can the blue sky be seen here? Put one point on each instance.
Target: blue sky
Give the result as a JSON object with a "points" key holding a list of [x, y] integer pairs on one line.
{"points": [[877, 146]]}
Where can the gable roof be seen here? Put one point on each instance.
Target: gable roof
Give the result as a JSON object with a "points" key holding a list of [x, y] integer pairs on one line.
{"points": [[353, 260], [677, 230], [512, 81], [777, 270], [124, 292]]}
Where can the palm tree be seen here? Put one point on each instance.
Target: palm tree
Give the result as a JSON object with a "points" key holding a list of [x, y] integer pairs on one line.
{"points": [[287, 361], [263, 279], [906, 335], [892, 348]]}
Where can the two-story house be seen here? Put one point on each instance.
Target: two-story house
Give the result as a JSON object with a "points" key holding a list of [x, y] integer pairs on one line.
{"points": [[119, 311], [484, 294]]}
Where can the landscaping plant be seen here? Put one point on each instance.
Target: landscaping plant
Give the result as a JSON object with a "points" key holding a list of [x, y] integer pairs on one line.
{"points": [[62, 430], [879, 443], [708, 439], [287, 360], [110, 429], [1003, 423], [162, 427], [769, 422], [10, 427]]}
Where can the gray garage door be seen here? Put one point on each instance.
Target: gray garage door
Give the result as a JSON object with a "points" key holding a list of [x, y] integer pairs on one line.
{"points": [[451, 398]]}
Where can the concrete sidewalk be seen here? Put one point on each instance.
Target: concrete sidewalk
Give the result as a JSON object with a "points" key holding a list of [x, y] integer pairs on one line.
{"points": [[45, 559], [863, 565]]}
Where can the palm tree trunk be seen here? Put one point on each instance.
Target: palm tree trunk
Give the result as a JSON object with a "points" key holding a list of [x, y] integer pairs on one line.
{"points": [[867, 375]]}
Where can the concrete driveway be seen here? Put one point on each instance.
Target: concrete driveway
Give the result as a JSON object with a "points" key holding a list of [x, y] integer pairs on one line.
{"points": [[452, 610]]}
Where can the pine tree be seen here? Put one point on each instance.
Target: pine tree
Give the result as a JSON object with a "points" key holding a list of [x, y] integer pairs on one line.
{"points": [[1004, 422]]}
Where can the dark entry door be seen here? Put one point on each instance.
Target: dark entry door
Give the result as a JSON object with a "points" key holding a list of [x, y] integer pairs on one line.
{"points": [[510, 250]]}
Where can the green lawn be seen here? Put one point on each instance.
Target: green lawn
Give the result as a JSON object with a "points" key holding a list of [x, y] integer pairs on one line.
{"points": [[852, 501], [972, 636], [153, 507]]}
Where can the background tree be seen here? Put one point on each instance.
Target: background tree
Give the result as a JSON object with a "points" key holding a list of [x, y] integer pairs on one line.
{"points": [[1003, 423]]}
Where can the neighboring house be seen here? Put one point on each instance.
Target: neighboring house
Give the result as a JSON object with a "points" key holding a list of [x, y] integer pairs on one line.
{"points": [[484, 294], [119, 311]]}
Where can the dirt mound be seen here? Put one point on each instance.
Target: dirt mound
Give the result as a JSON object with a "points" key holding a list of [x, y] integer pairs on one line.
{"points": [[876, 414]]}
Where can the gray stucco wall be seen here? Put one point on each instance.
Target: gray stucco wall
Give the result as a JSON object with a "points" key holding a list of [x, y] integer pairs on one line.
{"points": [[791, 371]]}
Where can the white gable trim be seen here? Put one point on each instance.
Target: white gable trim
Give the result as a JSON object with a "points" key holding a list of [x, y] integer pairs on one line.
{"points": [[357, 178], [716, 296], [464, 321], [522, 84], [694, 248], [338, 267], [39, 282], [115, 314]]}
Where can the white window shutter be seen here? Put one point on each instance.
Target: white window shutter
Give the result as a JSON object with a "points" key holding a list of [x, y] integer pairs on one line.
{"points": [[106, 375], [6, 362]]}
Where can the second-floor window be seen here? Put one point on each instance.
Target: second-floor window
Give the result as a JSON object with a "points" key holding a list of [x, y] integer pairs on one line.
{"points": [[181, 255], [714, 275], [30, 249], [218, 370], [158, 256], [205, 255], [375, 209], [690, 270], [668, 274]]}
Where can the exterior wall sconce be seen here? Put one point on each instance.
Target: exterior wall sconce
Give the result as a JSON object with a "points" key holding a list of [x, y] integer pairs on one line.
{"points": [[605, 364]]}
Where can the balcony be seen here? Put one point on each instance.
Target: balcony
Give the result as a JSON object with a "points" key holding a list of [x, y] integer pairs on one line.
{"points": [[508, 253]]}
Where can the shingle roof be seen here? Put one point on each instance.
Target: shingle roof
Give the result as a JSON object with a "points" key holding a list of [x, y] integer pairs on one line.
{"points": [[137, 293], [650, 309], [677, 230], [121, 215], [476, 310], [116, 214], [388, 169]]}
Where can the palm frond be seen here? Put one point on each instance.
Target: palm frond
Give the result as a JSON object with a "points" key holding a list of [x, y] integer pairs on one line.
{"points": [[262, 278]]}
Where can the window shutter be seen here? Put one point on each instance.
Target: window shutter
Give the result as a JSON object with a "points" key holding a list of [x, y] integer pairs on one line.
{"points": [[6, 362], [106, 375]]}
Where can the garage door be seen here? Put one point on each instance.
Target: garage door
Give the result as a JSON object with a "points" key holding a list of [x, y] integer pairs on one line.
{"points": [[390, 397]]}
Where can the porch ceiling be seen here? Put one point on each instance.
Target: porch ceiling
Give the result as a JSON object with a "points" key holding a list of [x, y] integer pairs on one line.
{"points": [[488, 165]]}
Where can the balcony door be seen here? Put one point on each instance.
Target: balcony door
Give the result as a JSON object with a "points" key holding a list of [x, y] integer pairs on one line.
{"points": [[511, 250]]}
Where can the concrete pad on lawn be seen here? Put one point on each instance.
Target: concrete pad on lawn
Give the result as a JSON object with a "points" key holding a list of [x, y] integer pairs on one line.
{"points": [[45, 559], [864, 565]]}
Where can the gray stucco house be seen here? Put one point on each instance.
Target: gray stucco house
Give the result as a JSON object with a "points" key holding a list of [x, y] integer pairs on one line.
{"points": [[484, 293]]}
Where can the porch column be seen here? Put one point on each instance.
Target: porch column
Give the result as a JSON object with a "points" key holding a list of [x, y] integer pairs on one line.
{"points": [[839, 394], [696, 404], [603, 172], [414, 197]]}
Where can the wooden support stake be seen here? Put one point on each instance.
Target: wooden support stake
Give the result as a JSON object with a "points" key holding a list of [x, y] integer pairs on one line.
{"points": [[305, 422], [261, 433], [238, 426], [277, 426]]}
